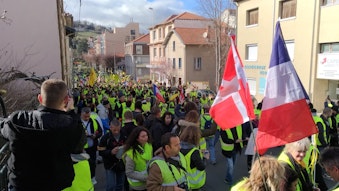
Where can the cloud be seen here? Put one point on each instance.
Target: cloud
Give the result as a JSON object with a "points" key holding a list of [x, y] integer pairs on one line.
{"points": [[118, 13]]}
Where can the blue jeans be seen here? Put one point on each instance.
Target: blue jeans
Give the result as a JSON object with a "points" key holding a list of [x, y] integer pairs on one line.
{"points": [[210, 147], [114, 180], [230, 162], [11, 188]]}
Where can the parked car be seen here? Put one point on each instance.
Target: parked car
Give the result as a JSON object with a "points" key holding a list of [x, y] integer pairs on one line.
{"points": [[209, 93]]}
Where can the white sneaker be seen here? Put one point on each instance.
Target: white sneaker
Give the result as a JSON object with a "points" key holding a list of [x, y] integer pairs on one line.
{"points": [[94, 181]]}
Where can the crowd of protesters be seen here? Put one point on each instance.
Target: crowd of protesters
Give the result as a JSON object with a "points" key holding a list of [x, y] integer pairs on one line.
{"points": [[148, 144], [131, 120], [135, 120]]}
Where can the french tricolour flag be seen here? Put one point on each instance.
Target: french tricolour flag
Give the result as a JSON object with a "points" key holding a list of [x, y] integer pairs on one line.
{"points": [[233, 104], [157, 94], [285, 115]]}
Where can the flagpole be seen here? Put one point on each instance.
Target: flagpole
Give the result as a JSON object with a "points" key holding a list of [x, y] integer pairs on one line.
{"points": [[314, 155], [257, 153]]}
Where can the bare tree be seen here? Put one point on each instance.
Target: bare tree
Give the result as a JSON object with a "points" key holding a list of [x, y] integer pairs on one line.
{"points": [[92, 59], [17, 86], [166, 69], [215, 10]]}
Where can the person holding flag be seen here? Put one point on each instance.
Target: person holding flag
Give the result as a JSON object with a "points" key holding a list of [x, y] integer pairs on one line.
{"points": [[285, 96], [157, 94], [233, 100]]}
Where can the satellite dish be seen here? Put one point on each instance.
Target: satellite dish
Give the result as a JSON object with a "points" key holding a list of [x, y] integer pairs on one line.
{"points": [[205, 34]]}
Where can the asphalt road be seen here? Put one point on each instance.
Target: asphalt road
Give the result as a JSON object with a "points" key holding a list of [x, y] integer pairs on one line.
{"points": [[215, 173]]}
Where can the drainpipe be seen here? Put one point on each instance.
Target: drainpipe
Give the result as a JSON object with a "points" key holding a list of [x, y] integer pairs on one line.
{"points": [[314, 44], [59, 4]]}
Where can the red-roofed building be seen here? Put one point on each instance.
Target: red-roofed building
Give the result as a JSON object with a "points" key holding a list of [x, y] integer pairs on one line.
{"points": [[181, 50]]}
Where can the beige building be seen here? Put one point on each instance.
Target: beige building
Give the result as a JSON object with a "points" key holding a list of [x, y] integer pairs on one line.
{"points": [[180, 52], [113, 42], [311, 35]]}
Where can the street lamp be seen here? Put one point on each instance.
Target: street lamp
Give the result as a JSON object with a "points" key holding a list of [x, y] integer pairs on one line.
{"points": [[151, 8], [151, 42]]}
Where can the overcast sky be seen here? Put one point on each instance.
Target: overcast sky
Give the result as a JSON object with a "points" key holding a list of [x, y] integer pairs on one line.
{"points": [[118, 13]]}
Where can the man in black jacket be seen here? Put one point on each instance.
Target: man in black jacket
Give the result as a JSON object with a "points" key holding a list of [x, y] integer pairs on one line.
{"points": [[110, 148], [41, 141]]}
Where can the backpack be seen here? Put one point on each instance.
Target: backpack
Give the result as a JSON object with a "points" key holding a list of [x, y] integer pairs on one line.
{"points": [[208, 123]]}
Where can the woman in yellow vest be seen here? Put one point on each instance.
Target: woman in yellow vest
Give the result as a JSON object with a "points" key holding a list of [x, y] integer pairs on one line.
{"points": [[267, 167], [292, 158], [189, 141], [138, 153]]}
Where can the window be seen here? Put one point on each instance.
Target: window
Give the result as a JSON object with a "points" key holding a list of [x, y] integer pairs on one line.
{"points": [[159, 33], [251, 52], [173, 63], [329, 2], [154, 35], [252, 16], [290, 48], [160, 52], [154, 52], [173, 45], [138, 49], [288, 8], [132, 32], [179, 63], [329, 47], [197, 63]]}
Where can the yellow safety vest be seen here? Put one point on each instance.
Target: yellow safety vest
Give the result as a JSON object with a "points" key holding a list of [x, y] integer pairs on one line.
{"points": [[166, 173], [119, 105], [146, 107], [196, 178], [193, 94], [230, 147], [238, 186], [204, 101], [335, 188], [112, 100], [82, 180], [163, 107], [95, 127], [171, 107], [284, 158], [318, 119], [310, 160], [257, 112], [140, 161]]}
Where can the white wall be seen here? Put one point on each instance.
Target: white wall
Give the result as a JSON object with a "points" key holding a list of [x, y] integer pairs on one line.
{"points": [[32, 37]]}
